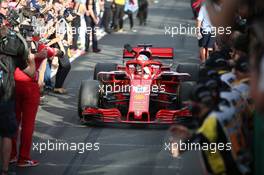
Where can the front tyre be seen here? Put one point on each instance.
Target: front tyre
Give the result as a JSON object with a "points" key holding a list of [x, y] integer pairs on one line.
{"points": [[88, 95]]}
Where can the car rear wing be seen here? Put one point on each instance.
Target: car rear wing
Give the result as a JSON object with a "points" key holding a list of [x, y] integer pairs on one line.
{"points": [[157, 52]]}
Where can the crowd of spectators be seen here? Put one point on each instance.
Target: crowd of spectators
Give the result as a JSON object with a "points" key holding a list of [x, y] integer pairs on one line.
{"points": [[228, 98]]}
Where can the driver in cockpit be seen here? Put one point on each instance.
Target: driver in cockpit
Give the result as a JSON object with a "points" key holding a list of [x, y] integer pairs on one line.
{"points": [[146, 70]]}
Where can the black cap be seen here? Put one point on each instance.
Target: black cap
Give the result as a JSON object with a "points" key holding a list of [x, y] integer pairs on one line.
{"points": [[242, 64], [207, 74], [217, 60], [241, 43], [202, 94]]}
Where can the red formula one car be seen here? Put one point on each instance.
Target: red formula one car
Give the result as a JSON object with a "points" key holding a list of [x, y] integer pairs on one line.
{"points": [[143, 90]]}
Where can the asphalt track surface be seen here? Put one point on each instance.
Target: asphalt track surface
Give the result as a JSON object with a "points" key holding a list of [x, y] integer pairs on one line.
{"points": [[125, 149]]}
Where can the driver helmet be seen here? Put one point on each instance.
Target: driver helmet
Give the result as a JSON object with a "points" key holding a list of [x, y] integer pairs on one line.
{"points": [[142, 57], [146, 52]]}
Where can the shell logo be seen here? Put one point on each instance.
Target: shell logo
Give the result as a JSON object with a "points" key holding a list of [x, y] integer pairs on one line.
{"points": [[139, 97]]}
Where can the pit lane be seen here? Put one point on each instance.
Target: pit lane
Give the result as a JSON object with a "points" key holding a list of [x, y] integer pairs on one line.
{"points": [[123, 149]]}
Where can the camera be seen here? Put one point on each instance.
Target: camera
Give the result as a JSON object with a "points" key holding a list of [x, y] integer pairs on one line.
{"points": [[68, 12], [13, 17], [27, 31]]}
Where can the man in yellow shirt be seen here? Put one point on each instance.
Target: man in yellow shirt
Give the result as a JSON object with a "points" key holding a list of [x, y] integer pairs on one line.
{"points": [[118, 15]]}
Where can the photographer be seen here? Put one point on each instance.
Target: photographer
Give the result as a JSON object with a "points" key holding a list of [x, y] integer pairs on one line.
{"points": [[8, 64], [58, 40]]}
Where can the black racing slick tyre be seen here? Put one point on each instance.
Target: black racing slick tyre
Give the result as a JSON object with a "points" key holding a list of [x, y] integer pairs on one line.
{"points": [[104, 67], [88, 95], [186, 90], [190, 68]]}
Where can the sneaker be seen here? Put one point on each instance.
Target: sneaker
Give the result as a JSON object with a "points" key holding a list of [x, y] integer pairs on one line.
{"points": [[13, 160], [121, 30], [96, 50], [116, 29], [109, 31], [27, 163], [60, 91], [133, 30], [43, 100]]}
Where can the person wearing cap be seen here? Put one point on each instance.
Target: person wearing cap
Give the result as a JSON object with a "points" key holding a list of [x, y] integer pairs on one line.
{"points": [[241, 70], [210, 131], [240, 46], [242, 85], [229, 116], [217, 62]]}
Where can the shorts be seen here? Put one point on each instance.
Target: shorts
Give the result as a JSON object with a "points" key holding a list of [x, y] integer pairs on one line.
{"points": [[8, 123], [207, 41]]}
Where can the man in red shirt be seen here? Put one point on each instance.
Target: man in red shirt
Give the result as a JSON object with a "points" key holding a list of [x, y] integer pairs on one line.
{"points": [[27, 102]]}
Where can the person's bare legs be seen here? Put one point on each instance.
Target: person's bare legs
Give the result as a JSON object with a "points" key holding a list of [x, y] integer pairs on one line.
{"points": [[202, 54], [209, 51], [6, 147]]}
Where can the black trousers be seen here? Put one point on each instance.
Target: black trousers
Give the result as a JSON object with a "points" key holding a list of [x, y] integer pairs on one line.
{"points": [[63, 70], [118, 17], [143, 13], [90, 30], [76, 23], [130, 18], [107, 18]]}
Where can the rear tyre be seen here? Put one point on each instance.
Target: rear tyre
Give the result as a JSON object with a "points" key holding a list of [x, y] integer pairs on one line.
{"points": [[104, 67], [88, 95], [190, 68]]}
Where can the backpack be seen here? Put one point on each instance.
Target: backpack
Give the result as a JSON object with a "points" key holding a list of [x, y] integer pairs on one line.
{"points": [[7, 82]]}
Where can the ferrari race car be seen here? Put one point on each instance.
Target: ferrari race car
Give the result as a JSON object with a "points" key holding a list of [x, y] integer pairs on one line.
{"points": [[142, 90]]}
